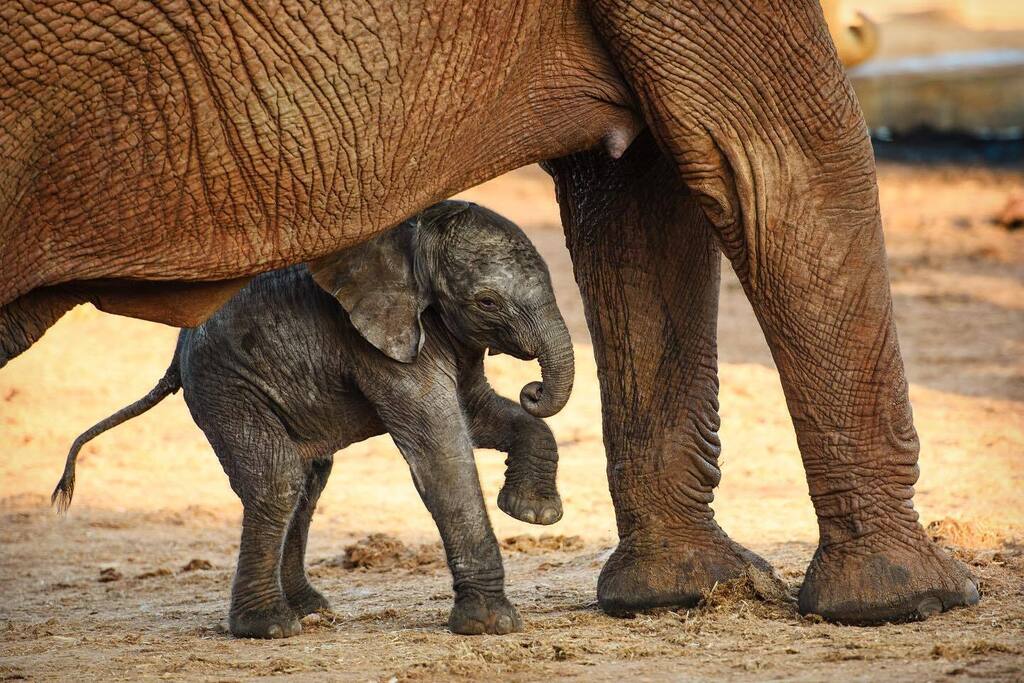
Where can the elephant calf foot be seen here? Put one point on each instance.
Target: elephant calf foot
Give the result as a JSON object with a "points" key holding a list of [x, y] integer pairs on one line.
{"points": [[884, 579], [530, 506], [276, 621], [476, 614], [306, 600], [662, 570]]}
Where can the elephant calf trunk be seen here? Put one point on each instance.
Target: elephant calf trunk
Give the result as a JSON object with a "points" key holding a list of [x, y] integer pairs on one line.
{"points": [[557, 368]]}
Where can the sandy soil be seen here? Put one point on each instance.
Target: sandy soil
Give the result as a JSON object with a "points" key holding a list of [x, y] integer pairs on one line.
{"points": [[112, 591]]}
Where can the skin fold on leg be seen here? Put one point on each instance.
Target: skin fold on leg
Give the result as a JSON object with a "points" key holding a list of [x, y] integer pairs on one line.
{"points": [[648, 270]]}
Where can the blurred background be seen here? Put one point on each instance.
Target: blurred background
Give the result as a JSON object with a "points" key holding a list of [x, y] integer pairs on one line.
{"points": [[934, 66], [942, 86]]}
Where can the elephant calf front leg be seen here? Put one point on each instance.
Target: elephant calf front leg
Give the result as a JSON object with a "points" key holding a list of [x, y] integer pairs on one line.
{"points": [[429, 429], [530, 493]]}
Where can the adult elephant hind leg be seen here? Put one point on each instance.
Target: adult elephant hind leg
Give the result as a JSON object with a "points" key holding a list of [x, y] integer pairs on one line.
{"points": [[24, 320], [823, 301], [301, 596], [874, 562], [761, 122], [648, 270]]}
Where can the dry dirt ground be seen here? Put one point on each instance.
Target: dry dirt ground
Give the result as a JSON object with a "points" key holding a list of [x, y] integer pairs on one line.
{"points": [[134, 582]]}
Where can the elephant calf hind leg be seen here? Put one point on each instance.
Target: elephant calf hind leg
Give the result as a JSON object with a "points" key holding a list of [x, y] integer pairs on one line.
{"points": [[268, 476], [259, 608], [301, 596]]}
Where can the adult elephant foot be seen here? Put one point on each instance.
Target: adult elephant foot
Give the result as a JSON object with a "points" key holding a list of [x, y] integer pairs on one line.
{"points": [[665, 570], [885, 579], [476, 614], [275, 621]]}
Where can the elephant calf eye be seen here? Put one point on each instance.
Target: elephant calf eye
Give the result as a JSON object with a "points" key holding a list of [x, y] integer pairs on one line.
{"points": [[487, 303]]}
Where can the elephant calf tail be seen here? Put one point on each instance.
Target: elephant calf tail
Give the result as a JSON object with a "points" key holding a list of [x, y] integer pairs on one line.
{"points": [[168, 384]]}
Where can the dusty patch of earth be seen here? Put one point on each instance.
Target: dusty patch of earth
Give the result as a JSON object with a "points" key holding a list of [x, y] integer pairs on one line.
{"points": [[134, 582]]}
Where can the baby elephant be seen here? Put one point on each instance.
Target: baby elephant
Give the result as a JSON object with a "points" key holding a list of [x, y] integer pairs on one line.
{"points": [[387, 336]]}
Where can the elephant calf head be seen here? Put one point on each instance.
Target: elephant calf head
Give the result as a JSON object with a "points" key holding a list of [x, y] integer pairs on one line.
{"points": [[480, 273]]}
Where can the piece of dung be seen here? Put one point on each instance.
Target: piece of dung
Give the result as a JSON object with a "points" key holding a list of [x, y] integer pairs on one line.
{"points": [[196, 564], [108, 574]]}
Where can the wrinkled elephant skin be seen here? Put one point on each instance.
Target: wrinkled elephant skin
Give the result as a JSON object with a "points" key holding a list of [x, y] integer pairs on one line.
{"points": [[208, 143]]}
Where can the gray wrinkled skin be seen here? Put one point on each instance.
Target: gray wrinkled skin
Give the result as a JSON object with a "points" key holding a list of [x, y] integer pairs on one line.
{"points": [[281, 378]]}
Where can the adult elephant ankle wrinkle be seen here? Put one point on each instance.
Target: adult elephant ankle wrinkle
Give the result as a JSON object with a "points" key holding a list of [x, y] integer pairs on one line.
{"points": [[849, 517]]}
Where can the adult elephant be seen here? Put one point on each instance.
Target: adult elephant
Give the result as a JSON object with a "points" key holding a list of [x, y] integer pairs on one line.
{"points": [[156, 153]]}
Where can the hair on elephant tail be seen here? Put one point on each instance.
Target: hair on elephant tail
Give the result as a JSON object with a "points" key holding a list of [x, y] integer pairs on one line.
{"points": [[168, 384]]}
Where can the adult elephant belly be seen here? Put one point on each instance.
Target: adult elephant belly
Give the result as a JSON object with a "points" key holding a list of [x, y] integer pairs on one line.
{"points": [[156, 143]]}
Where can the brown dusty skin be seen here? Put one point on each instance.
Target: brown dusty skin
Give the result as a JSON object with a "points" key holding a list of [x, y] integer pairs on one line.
{"points": [[104, 593]]}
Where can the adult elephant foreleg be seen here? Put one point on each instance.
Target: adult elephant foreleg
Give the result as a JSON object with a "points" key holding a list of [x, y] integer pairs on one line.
{"points": [[648, 270], [751, 104]]}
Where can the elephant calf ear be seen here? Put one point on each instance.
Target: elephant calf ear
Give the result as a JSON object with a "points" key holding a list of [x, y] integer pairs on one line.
{"points": [[375, 283]]}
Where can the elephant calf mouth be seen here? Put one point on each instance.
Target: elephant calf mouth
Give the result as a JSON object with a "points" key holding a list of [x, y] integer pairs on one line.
{"points": [[519, 355]]}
